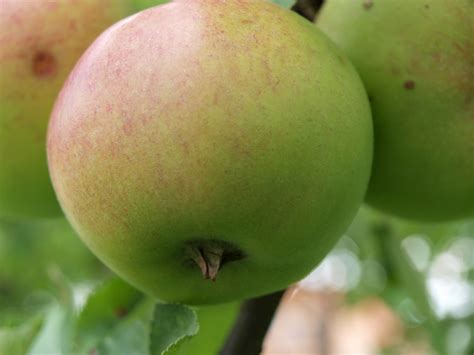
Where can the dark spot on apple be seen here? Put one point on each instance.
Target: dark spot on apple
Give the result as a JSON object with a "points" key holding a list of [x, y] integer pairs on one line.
{"points": [[93, 351], [44, 64], [409, 84], [368, 4], [120, 312], [427, 6]]}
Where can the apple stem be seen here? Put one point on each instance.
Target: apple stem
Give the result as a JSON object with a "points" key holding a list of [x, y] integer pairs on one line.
{"points": [[308, 8], [208, 259]]}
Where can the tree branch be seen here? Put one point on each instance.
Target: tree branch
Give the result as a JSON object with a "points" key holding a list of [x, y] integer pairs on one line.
{"points": [[251, 326]]}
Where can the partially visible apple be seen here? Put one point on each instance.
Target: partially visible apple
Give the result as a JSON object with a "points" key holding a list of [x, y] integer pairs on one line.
{"points": [[416, 58], [224, 139], [40, 41]]}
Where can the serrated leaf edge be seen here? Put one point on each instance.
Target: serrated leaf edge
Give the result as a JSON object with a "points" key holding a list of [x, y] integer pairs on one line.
{"points": [[181, 338]]}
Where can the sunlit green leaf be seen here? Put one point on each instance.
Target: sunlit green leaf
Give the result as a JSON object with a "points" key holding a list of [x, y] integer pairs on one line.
{"points": [[55, 334], [215, 324], [171, 324]]}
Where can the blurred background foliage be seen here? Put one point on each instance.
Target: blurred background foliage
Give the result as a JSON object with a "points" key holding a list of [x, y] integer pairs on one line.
{"points": [[34, 257], [424, 273]]}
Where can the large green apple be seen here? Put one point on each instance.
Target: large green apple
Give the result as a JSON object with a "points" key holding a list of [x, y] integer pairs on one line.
{"points": [[40, 41], [205, 137], [416, 58]]}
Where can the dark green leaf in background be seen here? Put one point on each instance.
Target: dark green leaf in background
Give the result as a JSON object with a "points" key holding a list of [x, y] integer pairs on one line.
{"points": [[17, 340]]}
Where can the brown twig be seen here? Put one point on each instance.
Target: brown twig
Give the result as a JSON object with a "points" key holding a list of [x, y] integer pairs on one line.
{"points": [[251, 326]]}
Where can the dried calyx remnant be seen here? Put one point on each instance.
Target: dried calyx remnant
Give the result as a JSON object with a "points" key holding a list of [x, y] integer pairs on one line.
{"points": [[210, 255]]}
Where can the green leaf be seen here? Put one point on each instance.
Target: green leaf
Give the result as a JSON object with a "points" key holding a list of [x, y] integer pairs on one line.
{"points": [[131, 336], [215, 323], [55, 335], [17, 340], [171, 324], [285, 3], [107, 307], [40, 247]]}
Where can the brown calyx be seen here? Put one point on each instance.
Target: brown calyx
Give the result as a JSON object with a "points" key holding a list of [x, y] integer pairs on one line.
{"points": [[208, 260], [210, 255]]}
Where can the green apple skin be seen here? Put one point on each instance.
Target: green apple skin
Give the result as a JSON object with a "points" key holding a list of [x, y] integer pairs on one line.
{"points": [[139, 5], [40, 41], [231, 121], [416, 59]]}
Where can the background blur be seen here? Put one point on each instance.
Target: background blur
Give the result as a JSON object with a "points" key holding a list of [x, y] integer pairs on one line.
{"points": [[388, 287]]}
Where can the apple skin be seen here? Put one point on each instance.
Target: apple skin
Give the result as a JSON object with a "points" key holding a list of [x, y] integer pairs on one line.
{"points": [[139, 5], [40, 41], [236, 122], [416, 59]]}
